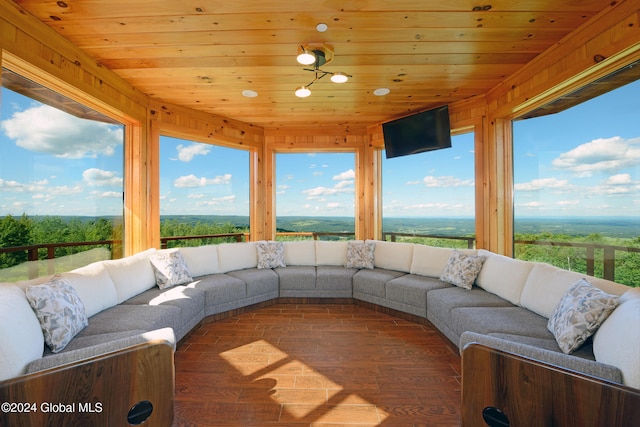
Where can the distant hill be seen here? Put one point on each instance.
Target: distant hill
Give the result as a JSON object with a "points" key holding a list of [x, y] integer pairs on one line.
{"points": [[609, 227]]}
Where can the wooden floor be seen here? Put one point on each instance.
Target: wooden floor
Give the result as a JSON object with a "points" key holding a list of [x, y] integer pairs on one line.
{"points": [[316, 365]]}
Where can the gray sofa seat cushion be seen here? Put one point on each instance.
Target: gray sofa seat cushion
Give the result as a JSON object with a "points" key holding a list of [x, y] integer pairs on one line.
{"points": [[557, 358], [508, 320], [79, 342], [585, 351], [129, 317], [297, 277], [111, 342], [442, 302], [219, 289], [190, 301], [374, 281], [260, 281], [329, 277], [412, 289]]}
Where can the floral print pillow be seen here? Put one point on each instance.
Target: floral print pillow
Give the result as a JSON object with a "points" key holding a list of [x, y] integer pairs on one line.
{"points": [[170, 268], [59, 310], [360, 253], [579, 313], [461, 269], [270, 254]]}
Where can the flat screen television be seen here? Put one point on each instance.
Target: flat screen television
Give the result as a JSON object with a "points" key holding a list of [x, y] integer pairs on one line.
{"points": [[425, 131]]}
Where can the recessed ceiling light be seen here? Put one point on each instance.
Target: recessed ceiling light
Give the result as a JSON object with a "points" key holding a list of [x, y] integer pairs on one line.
{"points": [[381, 91], [322, 27], [249, 93]]}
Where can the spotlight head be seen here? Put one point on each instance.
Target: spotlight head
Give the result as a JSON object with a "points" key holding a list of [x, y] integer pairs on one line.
{"points": [[302, 92], [306, 57], [339, 77]]}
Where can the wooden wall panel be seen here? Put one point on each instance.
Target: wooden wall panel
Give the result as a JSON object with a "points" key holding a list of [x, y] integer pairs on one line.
{"points": [[604, 44]]}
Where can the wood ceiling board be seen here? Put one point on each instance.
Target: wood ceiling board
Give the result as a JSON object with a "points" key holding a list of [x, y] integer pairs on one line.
{"points": [[202, 54]]}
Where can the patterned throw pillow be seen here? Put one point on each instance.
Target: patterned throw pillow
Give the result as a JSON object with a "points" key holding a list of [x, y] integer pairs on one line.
{"points": [[360, 253], [270, 254], [461, 269], [59, 310], [579, 313], [170, 268]]}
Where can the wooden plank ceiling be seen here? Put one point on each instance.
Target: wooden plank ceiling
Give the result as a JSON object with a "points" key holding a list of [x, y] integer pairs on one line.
{"points": [[203, 54]]}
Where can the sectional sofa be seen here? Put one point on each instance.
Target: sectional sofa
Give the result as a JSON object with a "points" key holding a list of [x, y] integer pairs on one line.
{"points": [[468, 295]]}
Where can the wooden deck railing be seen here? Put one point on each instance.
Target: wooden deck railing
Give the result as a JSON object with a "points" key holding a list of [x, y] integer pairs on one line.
{"points": [[608, 251]]}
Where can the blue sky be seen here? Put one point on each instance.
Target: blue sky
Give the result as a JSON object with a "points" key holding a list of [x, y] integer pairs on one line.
{"points": [[582, 162]]}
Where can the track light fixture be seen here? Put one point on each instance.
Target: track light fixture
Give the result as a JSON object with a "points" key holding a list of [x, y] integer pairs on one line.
{"points": [[317, 56]]}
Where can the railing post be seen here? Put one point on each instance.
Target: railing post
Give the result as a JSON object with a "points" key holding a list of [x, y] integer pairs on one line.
{"points": [[590, 260], [609, 263]]}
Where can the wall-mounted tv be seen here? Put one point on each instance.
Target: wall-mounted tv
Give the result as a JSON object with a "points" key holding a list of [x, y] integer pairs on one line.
{"points": [[425, 131]]}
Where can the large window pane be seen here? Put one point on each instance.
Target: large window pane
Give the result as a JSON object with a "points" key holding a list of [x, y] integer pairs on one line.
{"points": [[577, 187], [431, 194], [204, 190], [315, 194], [61, 181]]}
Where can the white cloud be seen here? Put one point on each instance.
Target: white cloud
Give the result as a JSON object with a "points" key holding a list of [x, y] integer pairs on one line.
{"points": [[192, 181], [107, 194], [217, 201], [568, 203], [531, 205], [445, 181], [48, 130], [346, 175], [620, 179], [543, 184], [343, 184], [19, 187], [98, 177], [413, 182], [186, 154], [600, 155]]}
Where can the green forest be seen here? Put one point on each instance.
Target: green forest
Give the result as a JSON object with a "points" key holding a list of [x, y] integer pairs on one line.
{"points": [[568, 250]]}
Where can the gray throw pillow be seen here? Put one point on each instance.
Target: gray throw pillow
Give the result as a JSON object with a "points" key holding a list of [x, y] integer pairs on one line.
{"points": [[461, 270], [59, 310], [270, 254], [579, 313], [170, 268], [360, 253]]}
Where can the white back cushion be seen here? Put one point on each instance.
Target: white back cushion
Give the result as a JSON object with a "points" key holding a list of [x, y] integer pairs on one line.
{"points": [[331, 253], [131, 275], [546, 284], [201, 260], [617, 341], [301, 252], [429, 260], [393, 255], [94, 286], [503, 276], [237, 256], [20, 332]]}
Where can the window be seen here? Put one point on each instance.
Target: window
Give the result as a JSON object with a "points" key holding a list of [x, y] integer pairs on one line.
{"points": [[431, 194], [204, 190], [61, 181], [315, 194], [577, 187]]}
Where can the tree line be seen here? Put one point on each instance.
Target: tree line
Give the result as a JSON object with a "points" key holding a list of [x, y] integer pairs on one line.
{"points": [[25, 230]]}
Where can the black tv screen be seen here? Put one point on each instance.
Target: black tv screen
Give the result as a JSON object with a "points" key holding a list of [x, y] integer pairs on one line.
{"points": [[426, 131]]}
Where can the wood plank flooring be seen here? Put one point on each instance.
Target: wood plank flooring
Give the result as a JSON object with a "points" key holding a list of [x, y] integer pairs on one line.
{"points": [[323, 365]]}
